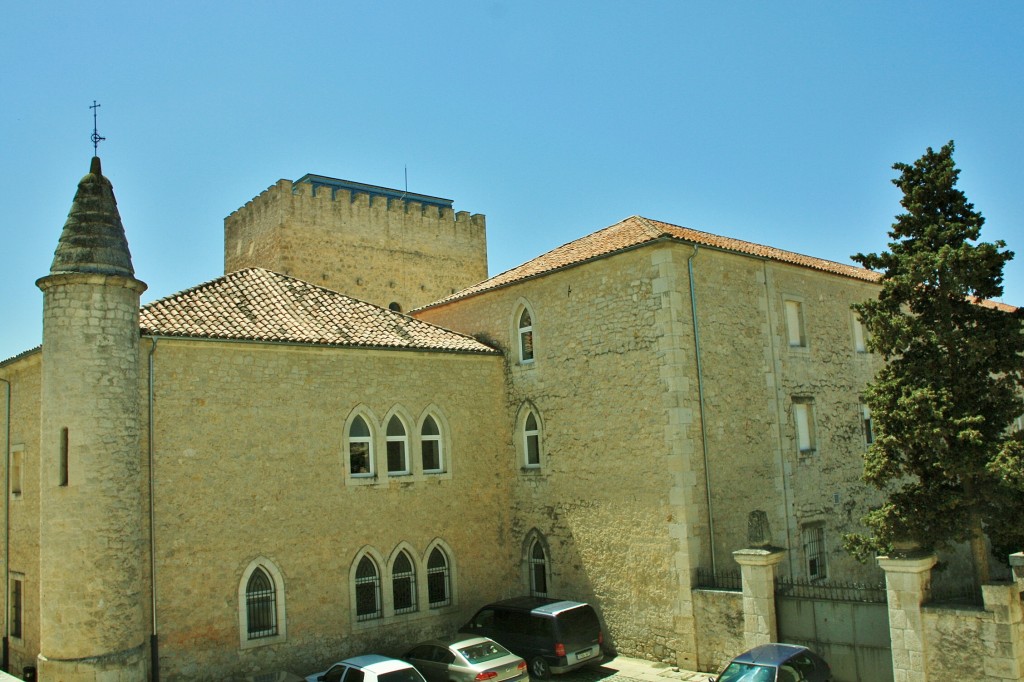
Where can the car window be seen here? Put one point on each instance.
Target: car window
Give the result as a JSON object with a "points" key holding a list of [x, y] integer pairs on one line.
{"points": [[355, 675], [421, 652], [403, 675], [483, 651], [334, 674], [787, 673], [803, 663], [484, 619], [747, 672]]}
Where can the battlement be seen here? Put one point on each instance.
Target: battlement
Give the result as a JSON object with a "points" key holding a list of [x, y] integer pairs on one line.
{"points": [[345, 192], [382, 245]]}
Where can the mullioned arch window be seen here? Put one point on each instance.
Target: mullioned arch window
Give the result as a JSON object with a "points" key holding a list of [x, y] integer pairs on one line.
{"points": [[431, 446], [397, 447], [524, 334], [366, 581], [531, 440], [537, 564], [360, 448], [403, 584], [261, 604], [439, 581]]}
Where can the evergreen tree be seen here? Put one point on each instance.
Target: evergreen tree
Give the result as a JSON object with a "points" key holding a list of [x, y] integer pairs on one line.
{"points": [[946, 456]]}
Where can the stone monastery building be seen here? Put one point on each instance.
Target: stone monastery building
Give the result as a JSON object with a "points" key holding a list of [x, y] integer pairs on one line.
{"points": [[355, 438]]}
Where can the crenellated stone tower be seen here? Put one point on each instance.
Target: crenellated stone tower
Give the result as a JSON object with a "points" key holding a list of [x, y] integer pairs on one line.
{"points": [[395, 249], [92, 613]]}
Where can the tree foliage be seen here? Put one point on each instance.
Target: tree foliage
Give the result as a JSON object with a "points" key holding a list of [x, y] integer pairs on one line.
{"points": [[946, 456]]}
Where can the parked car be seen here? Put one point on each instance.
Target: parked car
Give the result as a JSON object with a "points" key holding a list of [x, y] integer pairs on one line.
{"points": [[466, 658], [553, 635], [368, 668], [776, 663]]}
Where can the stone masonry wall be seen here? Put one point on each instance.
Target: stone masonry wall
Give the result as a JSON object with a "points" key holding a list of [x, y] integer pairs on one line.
{"points": [[615, 497], [369, 248], [24, 375], [250, 464]]}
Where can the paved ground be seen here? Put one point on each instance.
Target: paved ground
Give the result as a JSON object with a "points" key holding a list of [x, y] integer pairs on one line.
{"points": [[623, 669]]}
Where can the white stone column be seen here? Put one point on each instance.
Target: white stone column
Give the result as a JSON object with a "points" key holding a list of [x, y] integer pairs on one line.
{"points": [[757, 568], [907, 582]]}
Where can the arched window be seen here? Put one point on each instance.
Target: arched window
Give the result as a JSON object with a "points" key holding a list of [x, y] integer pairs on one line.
{"points": [[538, 563], [360, 448], [531, 441], [403, 584], [525, 336], [398, 447], [439, 591], [260, 605], [430, 445], [367, 590]]}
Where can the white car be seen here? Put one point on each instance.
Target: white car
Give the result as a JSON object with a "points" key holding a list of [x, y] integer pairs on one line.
{"points": [[368, 668]]}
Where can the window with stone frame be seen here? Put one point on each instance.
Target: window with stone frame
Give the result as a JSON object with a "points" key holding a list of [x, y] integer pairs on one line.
{"points": [[360, 449], [403, 584], [803, 418], [397, 447], [866, 424], [538, 565], [439, 592], [367, 588], [525, 327], [796, 332], [16, 602], [859, 335], [260, 605], [531, 441], [431, 447], [813, 541]]}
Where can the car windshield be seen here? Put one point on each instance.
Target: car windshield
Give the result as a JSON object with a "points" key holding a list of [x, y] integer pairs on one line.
{"points": [[747, 672], [403, 675], [483, 651]]}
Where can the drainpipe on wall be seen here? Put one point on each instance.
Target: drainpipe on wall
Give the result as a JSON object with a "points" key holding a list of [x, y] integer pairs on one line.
{"points": [[154, 650], [6, 663], [700, 398]]}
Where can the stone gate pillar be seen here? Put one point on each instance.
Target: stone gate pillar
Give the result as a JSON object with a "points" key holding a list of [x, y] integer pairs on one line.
{"points": [[757, 569], [907, 584]]}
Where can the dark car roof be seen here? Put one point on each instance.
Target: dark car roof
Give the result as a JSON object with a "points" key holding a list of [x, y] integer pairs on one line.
{"points": [[545, 605], [770, 654]]}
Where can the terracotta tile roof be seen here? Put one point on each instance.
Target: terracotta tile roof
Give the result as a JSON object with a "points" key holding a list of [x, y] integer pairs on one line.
{"points": [[260, 305], [635, 231]]}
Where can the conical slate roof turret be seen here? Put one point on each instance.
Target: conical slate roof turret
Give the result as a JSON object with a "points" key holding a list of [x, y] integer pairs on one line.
{"points": [[93, 239]]}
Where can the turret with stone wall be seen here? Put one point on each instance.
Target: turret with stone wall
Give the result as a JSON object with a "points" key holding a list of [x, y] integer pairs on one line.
{"points": [[384, 246], [91, 574]]}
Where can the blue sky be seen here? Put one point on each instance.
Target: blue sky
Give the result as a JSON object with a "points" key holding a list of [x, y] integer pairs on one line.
{"points": [[775, 122]]}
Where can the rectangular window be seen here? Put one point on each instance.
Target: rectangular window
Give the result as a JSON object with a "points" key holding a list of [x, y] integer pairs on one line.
{"points": [[813, 539], [859, 343], [866, 424], [17, 611], [803, 418], [795, 330], [62, 473], [17, 469]]}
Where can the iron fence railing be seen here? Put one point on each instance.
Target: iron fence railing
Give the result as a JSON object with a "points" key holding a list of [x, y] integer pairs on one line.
{"points": [[719, 580], [832, 590]]}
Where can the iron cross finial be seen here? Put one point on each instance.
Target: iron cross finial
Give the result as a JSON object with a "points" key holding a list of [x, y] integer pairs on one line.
{"points": [[96, 139]]}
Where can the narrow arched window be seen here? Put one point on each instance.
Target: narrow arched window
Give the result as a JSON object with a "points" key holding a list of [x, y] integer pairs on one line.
{"points": [[367, 590], [531, 441], [538, 562], [398, 447], [438, 579], [360, 448], [525, 336], [260, 605], [430, 445], [403, 584]]}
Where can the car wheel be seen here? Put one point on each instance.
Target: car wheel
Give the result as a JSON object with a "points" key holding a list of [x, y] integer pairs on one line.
{"points": [[539, 668]]}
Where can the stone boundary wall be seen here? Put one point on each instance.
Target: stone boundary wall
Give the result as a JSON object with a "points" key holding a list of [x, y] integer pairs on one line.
{"points": [[719, 620]]}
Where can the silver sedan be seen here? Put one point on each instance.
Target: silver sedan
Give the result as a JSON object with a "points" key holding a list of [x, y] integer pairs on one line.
{"points": [[465, 658]]}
